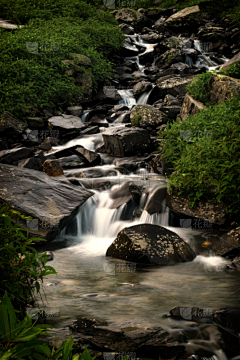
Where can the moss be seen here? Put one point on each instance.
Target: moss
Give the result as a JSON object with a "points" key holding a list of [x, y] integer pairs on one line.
{"points": [[135, 120], [8, 210]]}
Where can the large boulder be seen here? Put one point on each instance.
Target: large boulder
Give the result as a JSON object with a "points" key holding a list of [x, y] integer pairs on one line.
{"points": [[14, 155], [150, 244], [131, 17], [223, 88], [51, 203], [190, 107], [141, 87], [231, 61], [228, 244], [213, 213], [147, 116], [188, 19], [11, 126], [126, 141], [169, 57]]}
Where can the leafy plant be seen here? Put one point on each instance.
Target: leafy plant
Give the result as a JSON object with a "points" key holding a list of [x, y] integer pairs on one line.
{"points": [[204, 151], [19, 339], [198, 89], [233, 70], [22, 269]]}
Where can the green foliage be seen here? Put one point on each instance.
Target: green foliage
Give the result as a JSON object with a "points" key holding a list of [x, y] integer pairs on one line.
{"points": [[233, 70], [21, 267], [135, 120], [198, 89], [19, 339], [204, 151]]}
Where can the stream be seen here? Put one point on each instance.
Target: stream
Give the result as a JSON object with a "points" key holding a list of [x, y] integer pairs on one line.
{"points": [[90, 284]]}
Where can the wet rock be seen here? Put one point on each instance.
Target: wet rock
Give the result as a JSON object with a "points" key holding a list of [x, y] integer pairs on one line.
{"points": [[71, 162], [130, 164], [156, 165], [66, 122], [52, 168], [147, 116], [11, 126], [171, 43], [120, 196], [34, 193], [75, 110], [125, 78], [131, 17], [14, 155], [150, 244], [123, 118], [228, 244], [169, 57], [141, 87], [213, 213], [152, 38], [155, 202], [136, 192], [223, 88], [174, 86], [31, 163], [171, 100], [50, 255], [190, 107], [91, 130], [228, 318], [128, 30], [181, 67], [235, 264], [188, 19], [88, 156], [171, 111], [36, 123], [231, 61], [128, 141]]}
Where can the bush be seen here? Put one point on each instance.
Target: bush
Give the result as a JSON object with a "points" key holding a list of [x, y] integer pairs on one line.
{"points": [[233, 70], [198, 89], [204, 151], [21, 267]]}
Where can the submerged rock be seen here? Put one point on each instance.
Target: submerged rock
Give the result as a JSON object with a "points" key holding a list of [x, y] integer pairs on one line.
{"points": [[150, 244]]}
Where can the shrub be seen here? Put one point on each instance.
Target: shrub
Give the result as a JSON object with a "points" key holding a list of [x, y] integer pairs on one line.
{"points": [[233, 70], [21, 267], [204, 151], [198, 89]]}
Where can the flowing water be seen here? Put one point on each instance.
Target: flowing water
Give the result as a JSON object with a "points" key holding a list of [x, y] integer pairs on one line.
{"points": [[90, 284]]}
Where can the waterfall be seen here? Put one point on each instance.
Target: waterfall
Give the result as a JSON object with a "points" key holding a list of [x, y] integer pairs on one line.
{"points": [[84, 116], [127, 98], [188, 60], [143, 98]]}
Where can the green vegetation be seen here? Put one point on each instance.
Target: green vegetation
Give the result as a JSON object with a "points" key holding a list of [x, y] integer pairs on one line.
{"points": [[233, 70], [38, 80], [204, 151], [198, 89], [135, 120]]}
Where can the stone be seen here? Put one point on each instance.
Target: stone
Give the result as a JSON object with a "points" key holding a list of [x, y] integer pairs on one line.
{"points": [[11, 126], [156, 165], [131, 17], [147, 116], [171, 111], [36, 123], [126, 141], [85, 81], [228, 245], [52, 168], [190, 107], [120, 196], [169, 57], [231, 61], [150, 244], [81, 59], [188, 19], [14, 155], [88, 156], [141, 87], [72, 161], [152, 38], [223, 88], [126, 29], [155, 202], [51, 203], [228, 318], [213, 213], [31, 163], [75, 110], [66, 122]]}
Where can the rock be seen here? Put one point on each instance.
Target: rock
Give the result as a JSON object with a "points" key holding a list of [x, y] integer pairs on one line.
{"points": [[181, 67], [188, 19], [236, 263], [126, 141], [14, 155], [156, 165], [120, 196], [36, 123], [136, 192], [171, 100], [51, 203], [169, 57], [150, 244], [147, 116], [174, 86], [130, 164], [11, 126], [155, 201], [231, 61], [52, 168], [147, 57], [123, 118], [213, 213], [131, 17], [128, 30], [223, 88], [190, 107], [152, 38], [228, 318], [91, 130], [171, 111], [88, 156], [125, 78], [66, 122], [170, 43], [85, 81], [50, 255], [75, 110], [228, 244], [46, 145], [141, 87], [81, 59], [31, 163], [72, 161]]}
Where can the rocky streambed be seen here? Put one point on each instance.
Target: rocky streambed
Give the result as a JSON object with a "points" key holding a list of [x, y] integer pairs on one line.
{"points": [[94, 182]]}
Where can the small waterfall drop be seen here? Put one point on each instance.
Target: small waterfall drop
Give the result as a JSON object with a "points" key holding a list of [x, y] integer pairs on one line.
{"points": [[127, 98], [144, 98]]}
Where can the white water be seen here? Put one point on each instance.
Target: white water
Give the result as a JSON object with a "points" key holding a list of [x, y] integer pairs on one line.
{"points": [[127, 98], [90, 142], [143, 99]]}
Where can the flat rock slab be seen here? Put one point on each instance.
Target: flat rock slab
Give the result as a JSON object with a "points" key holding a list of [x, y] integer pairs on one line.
{"points": [[14, 155], [150, 244], [50, 202], [66, 122], [128, 141], [213, 213]]}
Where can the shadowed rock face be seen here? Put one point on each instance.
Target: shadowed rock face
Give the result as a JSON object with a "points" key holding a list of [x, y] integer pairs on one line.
{"points": [[223, 88], [50, 202], [150, 244], [190, 107]]}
